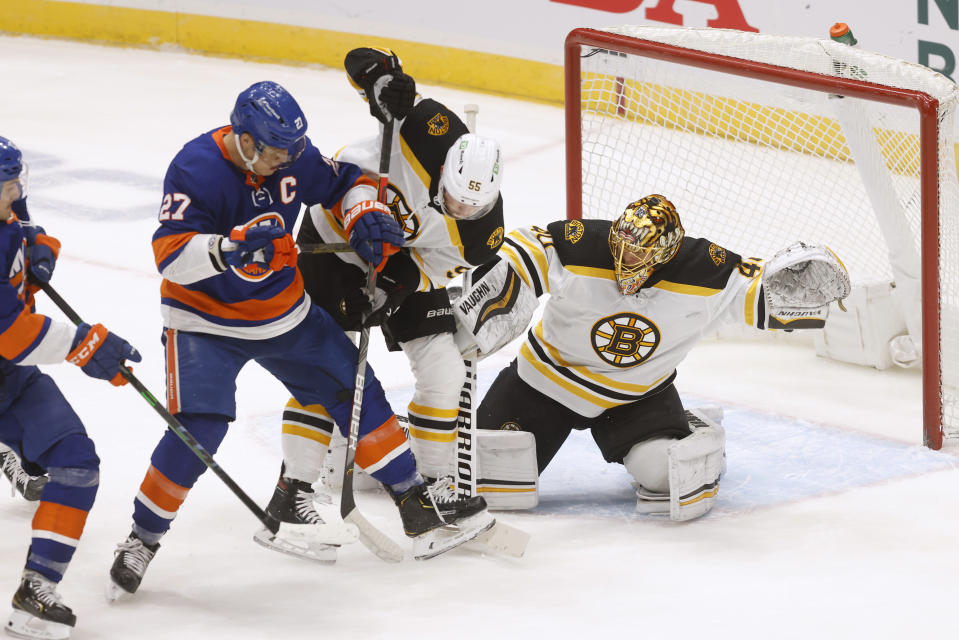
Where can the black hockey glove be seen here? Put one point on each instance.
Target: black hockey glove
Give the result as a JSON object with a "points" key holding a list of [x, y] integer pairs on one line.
{"points": [[387, 97], [398, 95], [399, 279]]}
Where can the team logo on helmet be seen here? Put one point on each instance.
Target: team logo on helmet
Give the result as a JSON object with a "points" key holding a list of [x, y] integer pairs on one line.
{"points": [[495, 239], [438, 125], [624, 339], [573, 231], [717, 253]]}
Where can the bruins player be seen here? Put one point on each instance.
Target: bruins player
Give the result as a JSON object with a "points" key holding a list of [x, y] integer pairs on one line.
{"points": [[628, 300], [445, 192]]}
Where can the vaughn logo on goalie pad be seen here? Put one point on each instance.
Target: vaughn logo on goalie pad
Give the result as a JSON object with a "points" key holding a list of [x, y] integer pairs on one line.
{"points": [[500, 304]]}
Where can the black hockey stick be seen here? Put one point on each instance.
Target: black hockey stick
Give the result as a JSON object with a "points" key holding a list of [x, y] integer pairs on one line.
{"points": [[371, 537], [325, 247], [175, 425]]}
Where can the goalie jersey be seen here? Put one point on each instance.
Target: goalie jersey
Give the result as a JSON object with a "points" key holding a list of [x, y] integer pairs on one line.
{"points": [[440, 246], [595, 348]]}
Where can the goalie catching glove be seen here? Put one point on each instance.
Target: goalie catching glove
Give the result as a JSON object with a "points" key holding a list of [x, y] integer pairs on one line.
{"points": [[496, 307], [800, 281]]}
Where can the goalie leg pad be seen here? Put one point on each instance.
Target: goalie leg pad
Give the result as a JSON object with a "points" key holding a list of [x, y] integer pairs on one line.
{"points": [[680, 477], [695, 465], [508, 477]]}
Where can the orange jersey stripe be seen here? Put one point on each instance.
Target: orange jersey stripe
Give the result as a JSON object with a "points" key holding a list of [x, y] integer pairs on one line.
{"points": [[162, 491], [375, 445], [172, 379], [58, 518], [254, 310], [167, 245], [20, 334]]}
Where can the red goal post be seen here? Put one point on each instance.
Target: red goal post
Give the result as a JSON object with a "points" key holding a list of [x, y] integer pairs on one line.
{"points": [[762, 140]]}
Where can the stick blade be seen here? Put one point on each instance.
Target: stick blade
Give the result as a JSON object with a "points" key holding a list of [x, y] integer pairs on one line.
{"points": [[382, 546]]}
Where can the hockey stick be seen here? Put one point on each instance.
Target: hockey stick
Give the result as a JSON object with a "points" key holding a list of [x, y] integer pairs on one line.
{"points": [[371, 537], [501, 537], [175, 425], [325, 247]]}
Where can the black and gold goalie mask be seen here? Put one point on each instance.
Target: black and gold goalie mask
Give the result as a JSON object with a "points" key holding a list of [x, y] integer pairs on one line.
{"points": [[647, 234]]}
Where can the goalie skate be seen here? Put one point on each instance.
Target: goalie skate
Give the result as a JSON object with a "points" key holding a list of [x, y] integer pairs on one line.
{"points": [[302, 532]]}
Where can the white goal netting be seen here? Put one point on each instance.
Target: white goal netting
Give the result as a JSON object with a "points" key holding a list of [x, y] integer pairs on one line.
{"points": [[755, 163]]}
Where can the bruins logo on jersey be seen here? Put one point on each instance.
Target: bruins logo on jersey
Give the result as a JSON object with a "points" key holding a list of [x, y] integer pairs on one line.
{"points": [[574, 230], [717, 253], [402, 213], [495, 239], [625, 339], [438, 125]]}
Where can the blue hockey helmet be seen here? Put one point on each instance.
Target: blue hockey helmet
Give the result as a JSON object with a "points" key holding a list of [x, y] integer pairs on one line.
{"points": [[272, 117], [12, 166], [11, 160]]}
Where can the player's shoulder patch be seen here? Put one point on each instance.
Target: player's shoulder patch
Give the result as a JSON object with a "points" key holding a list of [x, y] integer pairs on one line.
{"points": [[482, 238], [698, 263], [582, 243], [428, 132]]}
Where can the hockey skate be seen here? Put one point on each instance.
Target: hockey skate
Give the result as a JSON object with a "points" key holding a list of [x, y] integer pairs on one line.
{"points": [[302, 532], [437, 521], [38, 612], [130, 562], [30, 487]]}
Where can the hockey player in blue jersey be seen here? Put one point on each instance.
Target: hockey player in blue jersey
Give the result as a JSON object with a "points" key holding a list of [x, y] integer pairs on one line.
{"points": [[36, 422], [232, 293]]}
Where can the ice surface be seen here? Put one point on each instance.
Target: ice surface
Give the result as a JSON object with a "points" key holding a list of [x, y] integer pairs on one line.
{"points": [[837, 525]]}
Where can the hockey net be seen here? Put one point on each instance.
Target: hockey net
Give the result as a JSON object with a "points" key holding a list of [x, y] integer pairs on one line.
{"points": [[748, 136]]}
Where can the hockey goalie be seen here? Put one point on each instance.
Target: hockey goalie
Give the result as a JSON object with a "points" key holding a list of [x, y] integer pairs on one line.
{"points": [[627, 301]]}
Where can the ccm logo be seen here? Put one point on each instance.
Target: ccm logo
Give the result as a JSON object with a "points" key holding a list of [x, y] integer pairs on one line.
{"points": [[82, 354], [434, 313]]}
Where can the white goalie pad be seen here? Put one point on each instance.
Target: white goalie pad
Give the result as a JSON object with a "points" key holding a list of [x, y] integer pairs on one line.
{"points": [[507, 477], [800, 281], [492, 310], [694, 467], [872, 334]]}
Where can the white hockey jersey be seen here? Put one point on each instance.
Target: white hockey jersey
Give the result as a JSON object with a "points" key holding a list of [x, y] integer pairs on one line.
{"points": [[595, 348], [440, 246]]}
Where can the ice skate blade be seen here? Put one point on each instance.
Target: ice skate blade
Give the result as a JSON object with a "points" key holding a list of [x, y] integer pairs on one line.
{"points": [[22, 625], [299, 548], [433, 543], [115, 593], [331, 533]]}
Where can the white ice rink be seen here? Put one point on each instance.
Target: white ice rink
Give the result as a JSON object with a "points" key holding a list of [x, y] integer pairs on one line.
{"points": [[839, 526]]}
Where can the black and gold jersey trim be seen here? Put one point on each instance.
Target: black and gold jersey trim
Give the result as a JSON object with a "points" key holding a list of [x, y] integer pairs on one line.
{"points": [[582, 243]]}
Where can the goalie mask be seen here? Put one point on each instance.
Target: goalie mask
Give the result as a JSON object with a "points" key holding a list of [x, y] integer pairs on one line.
{"points": [[647, 234]]}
